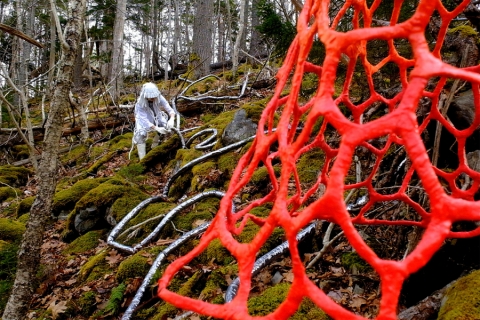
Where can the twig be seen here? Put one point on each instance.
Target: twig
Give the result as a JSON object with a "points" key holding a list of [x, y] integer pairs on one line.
{"points": [[140, 224], [326, 244]]}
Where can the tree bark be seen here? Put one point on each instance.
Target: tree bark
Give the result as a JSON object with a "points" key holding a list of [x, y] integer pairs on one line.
{"points": [[29, 254], [202, 38], [115, 77]]}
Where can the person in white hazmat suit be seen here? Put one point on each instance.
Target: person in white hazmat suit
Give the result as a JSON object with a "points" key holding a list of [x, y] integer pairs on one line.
{"points": [[151, 111]]}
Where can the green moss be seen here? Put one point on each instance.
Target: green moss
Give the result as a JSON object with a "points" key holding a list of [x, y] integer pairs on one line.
{"points": [[24, 206], [251, 229], [94, 268], [180, 186], [8, 267], [163, 153], [269, 300], [100, 162], [309, 311], [114, 303], [86, 303], [134, 266], [9, 193], [227, 162], [216, 283], [123, 142], [76, 156], [106, 194], [216, 252], [65, 200], [23, 218], [122, 206], [85, 242], [310, 165], [21, 151], [11, 230], [153, 210], [220, 122], [133, 172], [464, 30], [462, 299], [354, 263], [14, 176], [254, 109], [187, 289]]}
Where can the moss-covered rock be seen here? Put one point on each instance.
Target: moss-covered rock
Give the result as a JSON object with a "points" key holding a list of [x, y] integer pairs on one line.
{"points": [[84, 243], [11, 230], [465, 30], [21, 151], [94, 268], [14, 176], [76, 156], [162, 153], [462, 299], [310, 165], [8, 193], [103, 200], [24, 206], [255, 108], [65, 200], [122, 142], [134, 266]]}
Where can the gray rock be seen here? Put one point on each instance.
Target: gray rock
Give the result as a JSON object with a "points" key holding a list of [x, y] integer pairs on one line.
{"points": [[87, 219], [240, 128]]}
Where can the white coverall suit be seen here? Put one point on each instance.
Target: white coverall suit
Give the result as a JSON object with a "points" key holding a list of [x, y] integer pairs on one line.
{"points": [[151, 112]]}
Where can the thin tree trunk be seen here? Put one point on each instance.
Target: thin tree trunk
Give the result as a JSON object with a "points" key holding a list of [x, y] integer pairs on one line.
{"points": [[29, 254], [238, 40], [116, 71]]}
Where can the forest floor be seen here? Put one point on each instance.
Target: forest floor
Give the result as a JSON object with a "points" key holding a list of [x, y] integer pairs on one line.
{"points": [[81, 279]]}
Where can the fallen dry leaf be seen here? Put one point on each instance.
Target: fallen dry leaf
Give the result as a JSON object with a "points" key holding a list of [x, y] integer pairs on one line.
{"points": [[357, 302], [57, 308], [113, 258]]}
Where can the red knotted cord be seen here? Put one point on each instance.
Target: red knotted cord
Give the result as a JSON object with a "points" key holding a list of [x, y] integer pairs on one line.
{"points": [[399, 125]]}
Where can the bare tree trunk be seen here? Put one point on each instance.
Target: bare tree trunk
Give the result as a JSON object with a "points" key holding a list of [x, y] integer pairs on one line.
{"points": [[115, 77], [29, 254], [238, 40], [202, 38], [257, 48]]}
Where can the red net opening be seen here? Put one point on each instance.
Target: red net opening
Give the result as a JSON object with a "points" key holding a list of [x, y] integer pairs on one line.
{"points": [[301, 127]]}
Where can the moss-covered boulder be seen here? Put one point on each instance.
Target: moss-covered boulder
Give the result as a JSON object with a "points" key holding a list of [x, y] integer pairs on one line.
{"points": [[8, 193], [64, 201], [163, 153], [11, 230], [462, 299], [84, 243], [132, 267], [102, 206], [24, 206], [14, 176]]}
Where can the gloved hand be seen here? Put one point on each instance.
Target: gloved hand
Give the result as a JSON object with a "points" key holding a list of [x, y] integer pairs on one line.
{"points": [[161, 130], [171, 122]]}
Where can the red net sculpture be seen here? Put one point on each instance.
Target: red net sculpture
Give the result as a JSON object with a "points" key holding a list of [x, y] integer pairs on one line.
{"points": [[297, 132]]}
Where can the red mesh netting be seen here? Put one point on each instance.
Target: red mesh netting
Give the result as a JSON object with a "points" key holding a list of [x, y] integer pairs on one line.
{"points": [[293, 207]]}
